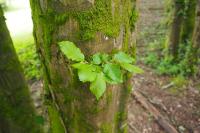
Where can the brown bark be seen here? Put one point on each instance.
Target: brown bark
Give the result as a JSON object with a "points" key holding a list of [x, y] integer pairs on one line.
{"points": [[16, 111], [192, 55], [175, 33], [95, 26], [188, 21], [196, 37]]}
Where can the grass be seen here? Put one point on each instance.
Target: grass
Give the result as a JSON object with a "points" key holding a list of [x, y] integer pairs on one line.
{"points": [[25, 48], [180, 84]]}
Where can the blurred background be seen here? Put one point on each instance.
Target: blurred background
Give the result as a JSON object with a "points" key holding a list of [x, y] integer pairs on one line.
{"points": [[19, 22]]}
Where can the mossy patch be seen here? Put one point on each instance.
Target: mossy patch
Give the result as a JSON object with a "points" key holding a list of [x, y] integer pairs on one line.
{"points": [[55, 122]]}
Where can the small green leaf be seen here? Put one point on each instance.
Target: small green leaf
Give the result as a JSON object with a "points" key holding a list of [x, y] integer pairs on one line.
{"points": [[98, 86], [131, 68], [86, 75], [110, 81], [113, 72], [83, 65], [100, 58], [96, 59], [71, 51], [122, 57], [86, 72], [105, 57]]}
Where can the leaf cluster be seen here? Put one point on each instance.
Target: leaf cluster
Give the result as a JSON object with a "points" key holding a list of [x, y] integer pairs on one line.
{"points": [[101, 69]]}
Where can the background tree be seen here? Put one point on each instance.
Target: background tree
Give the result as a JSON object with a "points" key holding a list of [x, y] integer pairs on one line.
{"points": [[16, 110], [175, 28], [196, 35], [188, 20], [192, 55], [96, 26], [182, 26]]}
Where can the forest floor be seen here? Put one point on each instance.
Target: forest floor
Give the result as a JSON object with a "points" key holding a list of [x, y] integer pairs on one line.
{"points": [[178, 103]]}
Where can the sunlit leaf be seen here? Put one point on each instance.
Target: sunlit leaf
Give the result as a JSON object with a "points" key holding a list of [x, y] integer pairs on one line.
{"points": [[96, 59], [110, 81], [100, 58], [131, 68], [82, 65], [122, 57], [98, 86], [86, 75], [113, 72], [71, 51], [86, 72]]}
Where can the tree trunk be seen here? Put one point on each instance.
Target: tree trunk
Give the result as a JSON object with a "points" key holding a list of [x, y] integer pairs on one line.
{"points": [[195, 50], [96, 26], [192, 55], [175, 33], [16, 110], [188, 21]]}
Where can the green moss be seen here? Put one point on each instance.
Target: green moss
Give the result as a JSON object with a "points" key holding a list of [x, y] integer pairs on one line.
{"points": [[120, 118], [61, 18], [127, 21], [99, 18], [106, 128], [133, 19], [109, 98]]}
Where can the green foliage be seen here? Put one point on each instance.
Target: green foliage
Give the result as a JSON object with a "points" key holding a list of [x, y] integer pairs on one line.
{"points": [[152, 60], [131, 68], [98, 86], [100, 58], [28, 57], [113, 73], [71, 51], [86, 72], [101, 69], [121, 57], [166, 65], [97, 59]]}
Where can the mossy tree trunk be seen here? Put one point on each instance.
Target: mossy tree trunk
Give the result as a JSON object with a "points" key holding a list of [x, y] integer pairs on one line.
{"points": [[193, 54], [95, 26], [188, 21], [16, 110], [175, 29], [196, 35]]}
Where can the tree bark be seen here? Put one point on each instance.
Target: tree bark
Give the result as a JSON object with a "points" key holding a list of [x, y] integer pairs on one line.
{"points": [[175, 29], [16, 110], [95, 26], [188, 21], [195, 50]]}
